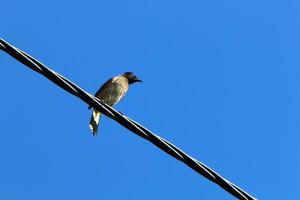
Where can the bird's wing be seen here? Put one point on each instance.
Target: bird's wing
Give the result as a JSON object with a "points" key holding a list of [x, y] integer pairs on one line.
{"points": [[103, 87]]}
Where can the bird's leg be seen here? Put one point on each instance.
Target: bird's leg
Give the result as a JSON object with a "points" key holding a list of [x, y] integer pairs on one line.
{"points": [[101, 101]]}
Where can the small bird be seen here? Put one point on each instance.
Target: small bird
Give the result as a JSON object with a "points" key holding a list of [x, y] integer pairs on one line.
{"points": [[111, 92]]}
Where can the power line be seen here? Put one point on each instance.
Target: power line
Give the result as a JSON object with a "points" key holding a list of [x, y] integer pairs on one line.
{"points": [[128, 123]]}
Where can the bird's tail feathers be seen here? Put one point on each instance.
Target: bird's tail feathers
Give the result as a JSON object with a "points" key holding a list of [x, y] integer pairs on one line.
{"points": [[94, 122]]}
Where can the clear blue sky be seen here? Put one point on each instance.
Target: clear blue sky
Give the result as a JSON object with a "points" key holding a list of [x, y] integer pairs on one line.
{"points": [[224, 73]]}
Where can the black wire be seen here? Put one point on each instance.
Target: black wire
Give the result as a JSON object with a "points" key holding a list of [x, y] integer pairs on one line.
{"points": [[123, 120]]}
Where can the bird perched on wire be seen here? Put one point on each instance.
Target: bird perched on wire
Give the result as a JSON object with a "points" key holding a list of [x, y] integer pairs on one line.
{"points": [[111, 92]]}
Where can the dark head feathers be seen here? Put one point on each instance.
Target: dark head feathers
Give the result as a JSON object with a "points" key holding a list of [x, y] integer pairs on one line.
{"points": [[131, 77]]}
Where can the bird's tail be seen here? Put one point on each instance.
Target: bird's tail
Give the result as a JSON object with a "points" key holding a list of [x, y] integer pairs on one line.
{"points": [[94, 122]]}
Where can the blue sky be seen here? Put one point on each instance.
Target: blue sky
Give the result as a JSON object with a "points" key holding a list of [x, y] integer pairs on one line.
{"points": [[221, 81]]}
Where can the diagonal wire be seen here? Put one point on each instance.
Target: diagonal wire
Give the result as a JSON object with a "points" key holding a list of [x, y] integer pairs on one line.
{"points": [[128, 123]]}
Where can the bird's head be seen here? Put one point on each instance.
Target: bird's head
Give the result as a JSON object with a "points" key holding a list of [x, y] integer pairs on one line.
{"points": [[131, 77]]}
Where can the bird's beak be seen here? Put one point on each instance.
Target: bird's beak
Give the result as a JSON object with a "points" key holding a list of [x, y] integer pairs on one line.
{"points": [[138, 80]]}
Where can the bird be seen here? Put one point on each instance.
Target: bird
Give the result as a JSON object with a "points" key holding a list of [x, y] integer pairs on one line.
{"points": [[111, 92]]}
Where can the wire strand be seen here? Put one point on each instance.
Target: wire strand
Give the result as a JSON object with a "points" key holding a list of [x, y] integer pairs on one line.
{"points": [[125, 121]]}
